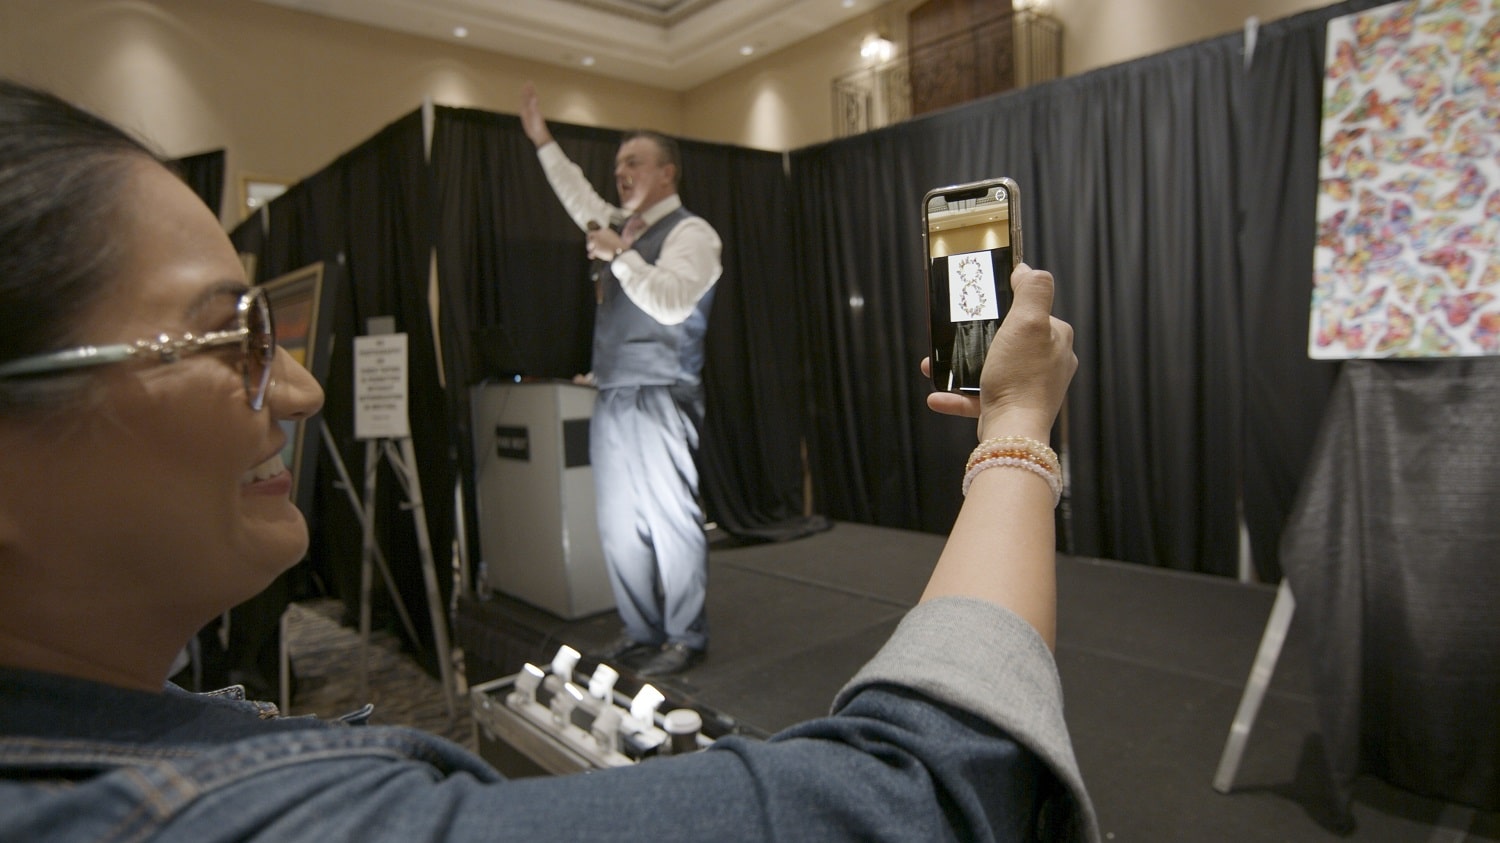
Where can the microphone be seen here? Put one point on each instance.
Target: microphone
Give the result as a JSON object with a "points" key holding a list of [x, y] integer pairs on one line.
{"points": [[597, 267]]}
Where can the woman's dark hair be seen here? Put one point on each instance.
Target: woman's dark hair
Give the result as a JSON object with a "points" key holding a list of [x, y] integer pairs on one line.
{"points": [[61, 170]]}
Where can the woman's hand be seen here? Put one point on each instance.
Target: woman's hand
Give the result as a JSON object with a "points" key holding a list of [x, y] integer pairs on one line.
{"points": [[1027, 370]]}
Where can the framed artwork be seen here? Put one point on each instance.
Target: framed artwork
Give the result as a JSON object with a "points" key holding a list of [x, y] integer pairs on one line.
{"points": [[300, 304], [1407, 262]]}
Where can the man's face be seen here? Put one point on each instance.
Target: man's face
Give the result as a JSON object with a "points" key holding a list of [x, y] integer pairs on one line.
{"points": [[640, 176]]}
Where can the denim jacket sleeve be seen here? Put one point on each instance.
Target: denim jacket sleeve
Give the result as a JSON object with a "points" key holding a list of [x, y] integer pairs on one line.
{"points": [[911, 753]]}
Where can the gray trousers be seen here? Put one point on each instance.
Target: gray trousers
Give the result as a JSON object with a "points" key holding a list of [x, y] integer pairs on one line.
{"points": [[642, 443]]}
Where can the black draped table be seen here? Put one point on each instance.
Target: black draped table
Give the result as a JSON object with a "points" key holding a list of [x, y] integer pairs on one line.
{"points": [[1393, 554]]}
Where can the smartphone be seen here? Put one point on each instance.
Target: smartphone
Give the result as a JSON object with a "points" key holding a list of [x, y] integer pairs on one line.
{"points": [[972, 236]]}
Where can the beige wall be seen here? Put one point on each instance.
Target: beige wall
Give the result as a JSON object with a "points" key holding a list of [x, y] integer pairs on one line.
{"points": [[785, 101], [283, 92], [286, 92], [1097, 33]]}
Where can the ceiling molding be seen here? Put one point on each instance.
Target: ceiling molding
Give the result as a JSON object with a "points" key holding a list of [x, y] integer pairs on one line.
{"points": [[676, 45]]}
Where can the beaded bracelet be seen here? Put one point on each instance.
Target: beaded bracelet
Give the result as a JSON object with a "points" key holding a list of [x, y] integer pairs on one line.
{"points": [[1017, 452], [1016, 446]]}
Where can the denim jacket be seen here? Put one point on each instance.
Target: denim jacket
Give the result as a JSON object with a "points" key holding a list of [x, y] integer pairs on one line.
{"points": [[902, 758]]}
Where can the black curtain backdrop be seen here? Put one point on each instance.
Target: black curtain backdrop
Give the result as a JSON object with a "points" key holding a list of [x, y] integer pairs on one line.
{"points": [[204, 173], [1173, 197], [514, 279], [370, 211], [1127, 187], [1285, 392]]}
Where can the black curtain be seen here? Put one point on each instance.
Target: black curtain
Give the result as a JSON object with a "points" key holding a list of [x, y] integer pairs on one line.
{"points": [[515, 285], [1286, 393], [370, 211], [1127, 185], [204, 173]]}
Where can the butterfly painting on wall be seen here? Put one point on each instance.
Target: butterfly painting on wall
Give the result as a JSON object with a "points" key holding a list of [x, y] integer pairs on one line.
{"points": [[1407, 262]]}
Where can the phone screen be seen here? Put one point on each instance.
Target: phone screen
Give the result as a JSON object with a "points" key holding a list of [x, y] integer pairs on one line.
{"points": [[973, 243]]}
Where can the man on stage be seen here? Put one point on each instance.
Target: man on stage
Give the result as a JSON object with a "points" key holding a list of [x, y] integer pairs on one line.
{"points": [[659, 264]]}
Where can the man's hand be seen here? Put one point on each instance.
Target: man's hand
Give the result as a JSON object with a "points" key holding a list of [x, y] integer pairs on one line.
{"points": [[531, 117]]}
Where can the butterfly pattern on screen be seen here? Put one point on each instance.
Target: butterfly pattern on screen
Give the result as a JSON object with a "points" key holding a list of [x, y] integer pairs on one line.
{"points": [[1407, 262]]}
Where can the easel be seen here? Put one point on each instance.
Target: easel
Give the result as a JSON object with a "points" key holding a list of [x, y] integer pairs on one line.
{"points": [[382, 422]]}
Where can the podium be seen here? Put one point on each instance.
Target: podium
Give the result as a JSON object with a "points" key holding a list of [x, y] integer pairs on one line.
{"points": [[534, 487]]}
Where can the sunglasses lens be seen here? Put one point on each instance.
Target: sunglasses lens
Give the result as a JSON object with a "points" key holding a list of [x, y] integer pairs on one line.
{"points": [[260, 348]]}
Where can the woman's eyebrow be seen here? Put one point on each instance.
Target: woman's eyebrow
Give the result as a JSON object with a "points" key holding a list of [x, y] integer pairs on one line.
{"points": [[212, 293]]}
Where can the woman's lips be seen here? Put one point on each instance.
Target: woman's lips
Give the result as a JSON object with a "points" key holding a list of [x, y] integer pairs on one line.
{"points": [[264, 471]]}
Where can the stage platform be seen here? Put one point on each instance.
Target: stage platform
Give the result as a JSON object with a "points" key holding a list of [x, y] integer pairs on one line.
{"points": [[1153, 664]]}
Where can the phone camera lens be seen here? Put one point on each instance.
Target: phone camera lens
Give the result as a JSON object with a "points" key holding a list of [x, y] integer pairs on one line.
{"points": [[999, 194]]}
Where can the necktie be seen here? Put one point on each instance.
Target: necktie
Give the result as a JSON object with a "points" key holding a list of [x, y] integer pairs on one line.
{"points": [[633, 228]]}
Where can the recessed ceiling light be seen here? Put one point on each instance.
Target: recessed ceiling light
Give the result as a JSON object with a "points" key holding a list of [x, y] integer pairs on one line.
{"points": [[587, 61], [460, 32], [747, 49], [848, 4]]}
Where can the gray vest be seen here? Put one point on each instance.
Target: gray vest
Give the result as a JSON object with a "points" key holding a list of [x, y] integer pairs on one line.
{"points": [[631, 348]]}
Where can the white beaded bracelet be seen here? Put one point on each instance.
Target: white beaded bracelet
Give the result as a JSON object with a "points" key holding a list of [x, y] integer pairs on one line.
{"points": [[1054, 480]]}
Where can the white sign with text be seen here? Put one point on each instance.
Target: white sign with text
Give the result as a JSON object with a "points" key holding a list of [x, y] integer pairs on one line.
{"points": [[380, 381]]}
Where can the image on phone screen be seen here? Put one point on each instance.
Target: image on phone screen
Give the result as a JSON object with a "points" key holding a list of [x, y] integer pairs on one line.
{"points": [[969, 264]]}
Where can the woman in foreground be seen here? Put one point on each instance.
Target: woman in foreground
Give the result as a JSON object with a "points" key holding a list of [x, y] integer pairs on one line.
{"points": [[142, 494]]}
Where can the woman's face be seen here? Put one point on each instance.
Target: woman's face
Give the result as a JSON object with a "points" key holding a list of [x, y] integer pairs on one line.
{"points": [[164, 490]]}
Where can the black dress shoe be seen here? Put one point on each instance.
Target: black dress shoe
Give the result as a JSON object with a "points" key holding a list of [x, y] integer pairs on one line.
{"points": [[674, 658], [624, 651]]}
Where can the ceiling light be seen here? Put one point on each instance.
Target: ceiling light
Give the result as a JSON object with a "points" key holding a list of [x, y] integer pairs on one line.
{"points": [[460, 32], [587, 61], [848, 4], [878, 48], [747, 49]]}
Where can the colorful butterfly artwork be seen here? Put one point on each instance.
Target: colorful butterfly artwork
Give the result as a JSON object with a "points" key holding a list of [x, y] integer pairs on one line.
{"points": [[1339, 145], [1370, 217], [1455, 262], [1472, 140], [1335, 103], [1419, 292], [1399, 329], [1372, 28], [1373, 106], [1352, 263], [1486, 332], [1353, 61], [1380, 250], [1420, 70], [1342, 319], [1401, 219], [1408, 226], [1338, 188], [1333, 334], [1480, 235], [1409, 183], [1331, 231], [1468, 7], [1491, 277], [1441, 122], [1451, 32], [1433, 342], [1471, 186], [1396, 150], [1359, 167], [1437, 161], [1460, 307], [1479, 66], [1425, 233]]}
